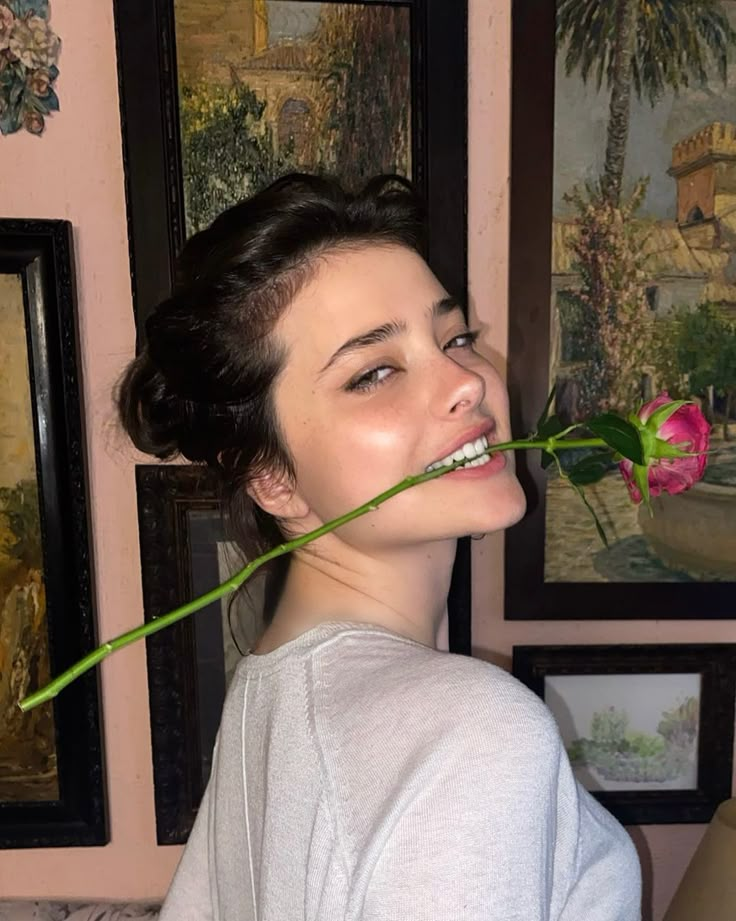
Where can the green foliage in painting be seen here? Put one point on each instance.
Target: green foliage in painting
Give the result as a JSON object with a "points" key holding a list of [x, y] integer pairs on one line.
{"points": [[694, 350], [607, 318], [622, 754], [19, 505], [679, 726], [365, 52], [228, 149], [608, 727]]}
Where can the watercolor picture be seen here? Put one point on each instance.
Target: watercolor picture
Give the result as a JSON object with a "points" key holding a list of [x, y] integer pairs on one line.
{"points": [[270, 86], [643, 273], [28, 757], [629, 732]]}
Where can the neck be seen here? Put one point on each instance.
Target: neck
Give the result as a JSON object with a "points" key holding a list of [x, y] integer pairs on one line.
{"points": [[403, 590]]}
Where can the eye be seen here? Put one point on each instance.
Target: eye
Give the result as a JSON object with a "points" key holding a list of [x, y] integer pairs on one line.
{"points": [[464, 340], [370, 379]]}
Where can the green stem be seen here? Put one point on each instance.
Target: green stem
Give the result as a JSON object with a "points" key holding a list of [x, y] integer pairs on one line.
{"points": [[159, 623]]}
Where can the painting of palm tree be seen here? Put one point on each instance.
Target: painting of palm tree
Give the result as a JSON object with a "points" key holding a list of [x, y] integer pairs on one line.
{"points": [[645, 47], [643, 284]]}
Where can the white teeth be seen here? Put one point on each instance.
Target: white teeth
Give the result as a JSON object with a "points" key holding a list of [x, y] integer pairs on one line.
{"points": [[470, 451]]}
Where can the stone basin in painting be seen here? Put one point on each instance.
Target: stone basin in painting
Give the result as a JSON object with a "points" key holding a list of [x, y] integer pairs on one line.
{"points": [[694, 531]]}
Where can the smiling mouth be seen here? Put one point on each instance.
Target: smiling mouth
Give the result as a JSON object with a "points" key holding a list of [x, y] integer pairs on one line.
{"points": [[473, 452]]}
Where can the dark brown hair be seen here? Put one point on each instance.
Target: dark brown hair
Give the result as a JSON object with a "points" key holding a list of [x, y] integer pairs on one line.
{"points": [[201, 388]]}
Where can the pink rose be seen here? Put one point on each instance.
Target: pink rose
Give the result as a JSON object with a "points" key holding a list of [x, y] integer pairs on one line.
{"points": [[662, 434]]}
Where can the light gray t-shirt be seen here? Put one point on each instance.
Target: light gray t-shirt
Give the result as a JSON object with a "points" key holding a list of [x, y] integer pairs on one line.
{"points": [[361, 776]]}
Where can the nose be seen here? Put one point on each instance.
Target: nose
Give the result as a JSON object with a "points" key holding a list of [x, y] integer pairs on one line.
{"points": [[457, 389]]}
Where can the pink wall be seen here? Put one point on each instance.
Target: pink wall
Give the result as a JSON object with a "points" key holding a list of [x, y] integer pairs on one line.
{"points": [[75, 171]]}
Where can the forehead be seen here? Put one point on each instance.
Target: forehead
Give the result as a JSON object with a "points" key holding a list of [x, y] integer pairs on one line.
{"points": [[355, 289]]}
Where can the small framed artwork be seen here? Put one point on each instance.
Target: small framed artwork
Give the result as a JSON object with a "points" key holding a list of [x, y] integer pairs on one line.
{"points": [[620, 246], [648, 729], [51, 762]]}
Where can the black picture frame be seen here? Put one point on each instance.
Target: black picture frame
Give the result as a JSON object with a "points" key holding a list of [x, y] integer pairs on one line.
{"points": [[527, 595], [41, 252], [715, 663], [185, 661]]}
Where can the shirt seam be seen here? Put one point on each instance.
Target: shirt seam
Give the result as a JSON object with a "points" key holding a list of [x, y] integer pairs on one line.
{"points": [[327, 779]]}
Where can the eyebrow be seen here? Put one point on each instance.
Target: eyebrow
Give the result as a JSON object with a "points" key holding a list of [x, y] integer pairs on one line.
{"points": [[388, 330]]}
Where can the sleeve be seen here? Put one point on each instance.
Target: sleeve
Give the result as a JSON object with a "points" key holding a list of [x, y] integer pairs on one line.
{"points": [[191, 894], [607, 882], [492, 834]]}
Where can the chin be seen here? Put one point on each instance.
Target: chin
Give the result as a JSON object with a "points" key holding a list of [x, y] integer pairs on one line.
{"points": [[505, 510]]}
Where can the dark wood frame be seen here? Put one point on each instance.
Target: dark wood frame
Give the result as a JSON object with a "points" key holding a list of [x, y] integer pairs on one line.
{"points": [[41, 252], [177, 668], [528, 596], [716, 663]]}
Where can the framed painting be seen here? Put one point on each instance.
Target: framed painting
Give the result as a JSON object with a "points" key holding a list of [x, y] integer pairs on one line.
{"points": [[184, 553], [51, 761], [623, 228], [648, 729]]}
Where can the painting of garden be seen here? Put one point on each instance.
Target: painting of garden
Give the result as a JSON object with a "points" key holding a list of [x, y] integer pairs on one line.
{"points": [[28, 768], [629, 732], [643, 270], [271, 86]]}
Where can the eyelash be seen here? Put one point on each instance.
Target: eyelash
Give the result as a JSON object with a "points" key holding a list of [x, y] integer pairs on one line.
{"points": [[367, 381]]}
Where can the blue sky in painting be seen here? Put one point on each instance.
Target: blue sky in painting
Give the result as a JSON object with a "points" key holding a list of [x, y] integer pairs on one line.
{"points": [[290, 19]]}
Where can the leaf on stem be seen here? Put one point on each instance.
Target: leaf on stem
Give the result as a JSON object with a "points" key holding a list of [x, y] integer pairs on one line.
{"points": [[590, 469], [619, 434]]}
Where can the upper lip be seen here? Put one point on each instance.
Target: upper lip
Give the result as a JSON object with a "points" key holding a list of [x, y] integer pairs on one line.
{"points": [[484, 428]]}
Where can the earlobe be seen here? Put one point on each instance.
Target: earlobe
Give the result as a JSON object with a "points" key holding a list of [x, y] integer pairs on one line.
{"points": [[277, 496]]}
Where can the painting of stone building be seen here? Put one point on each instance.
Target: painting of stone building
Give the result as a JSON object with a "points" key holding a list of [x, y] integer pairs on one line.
{"points": [[271, 86], [643, 279]]}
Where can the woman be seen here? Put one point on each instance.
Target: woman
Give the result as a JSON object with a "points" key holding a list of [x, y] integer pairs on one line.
{"points": [[310, 356]]}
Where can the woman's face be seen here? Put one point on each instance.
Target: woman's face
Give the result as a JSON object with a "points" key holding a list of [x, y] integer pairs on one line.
{"points": [[381, 380]]}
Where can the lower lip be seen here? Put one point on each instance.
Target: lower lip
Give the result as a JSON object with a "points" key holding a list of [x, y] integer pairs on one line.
{"points": [[495, 465]]}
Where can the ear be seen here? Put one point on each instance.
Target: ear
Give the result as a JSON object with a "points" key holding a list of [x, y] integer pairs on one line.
{"points": [[277, 496]]}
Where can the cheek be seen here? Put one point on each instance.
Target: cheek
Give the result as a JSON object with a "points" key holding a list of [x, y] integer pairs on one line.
{"points": [[354, 459]]}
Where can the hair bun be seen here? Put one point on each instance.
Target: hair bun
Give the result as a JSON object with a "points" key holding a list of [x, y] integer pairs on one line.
{"points": [[152, 415]]}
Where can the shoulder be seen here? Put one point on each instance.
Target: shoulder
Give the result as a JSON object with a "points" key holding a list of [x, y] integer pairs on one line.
{"points": [[389, 687]]}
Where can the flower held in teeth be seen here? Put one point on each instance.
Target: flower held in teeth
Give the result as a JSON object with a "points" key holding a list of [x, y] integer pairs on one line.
{"points": [[471, 451]]}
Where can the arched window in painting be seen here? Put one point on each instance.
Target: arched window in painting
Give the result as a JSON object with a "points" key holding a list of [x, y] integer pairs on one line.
{"points": [[293, 128], [695, 214]]}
